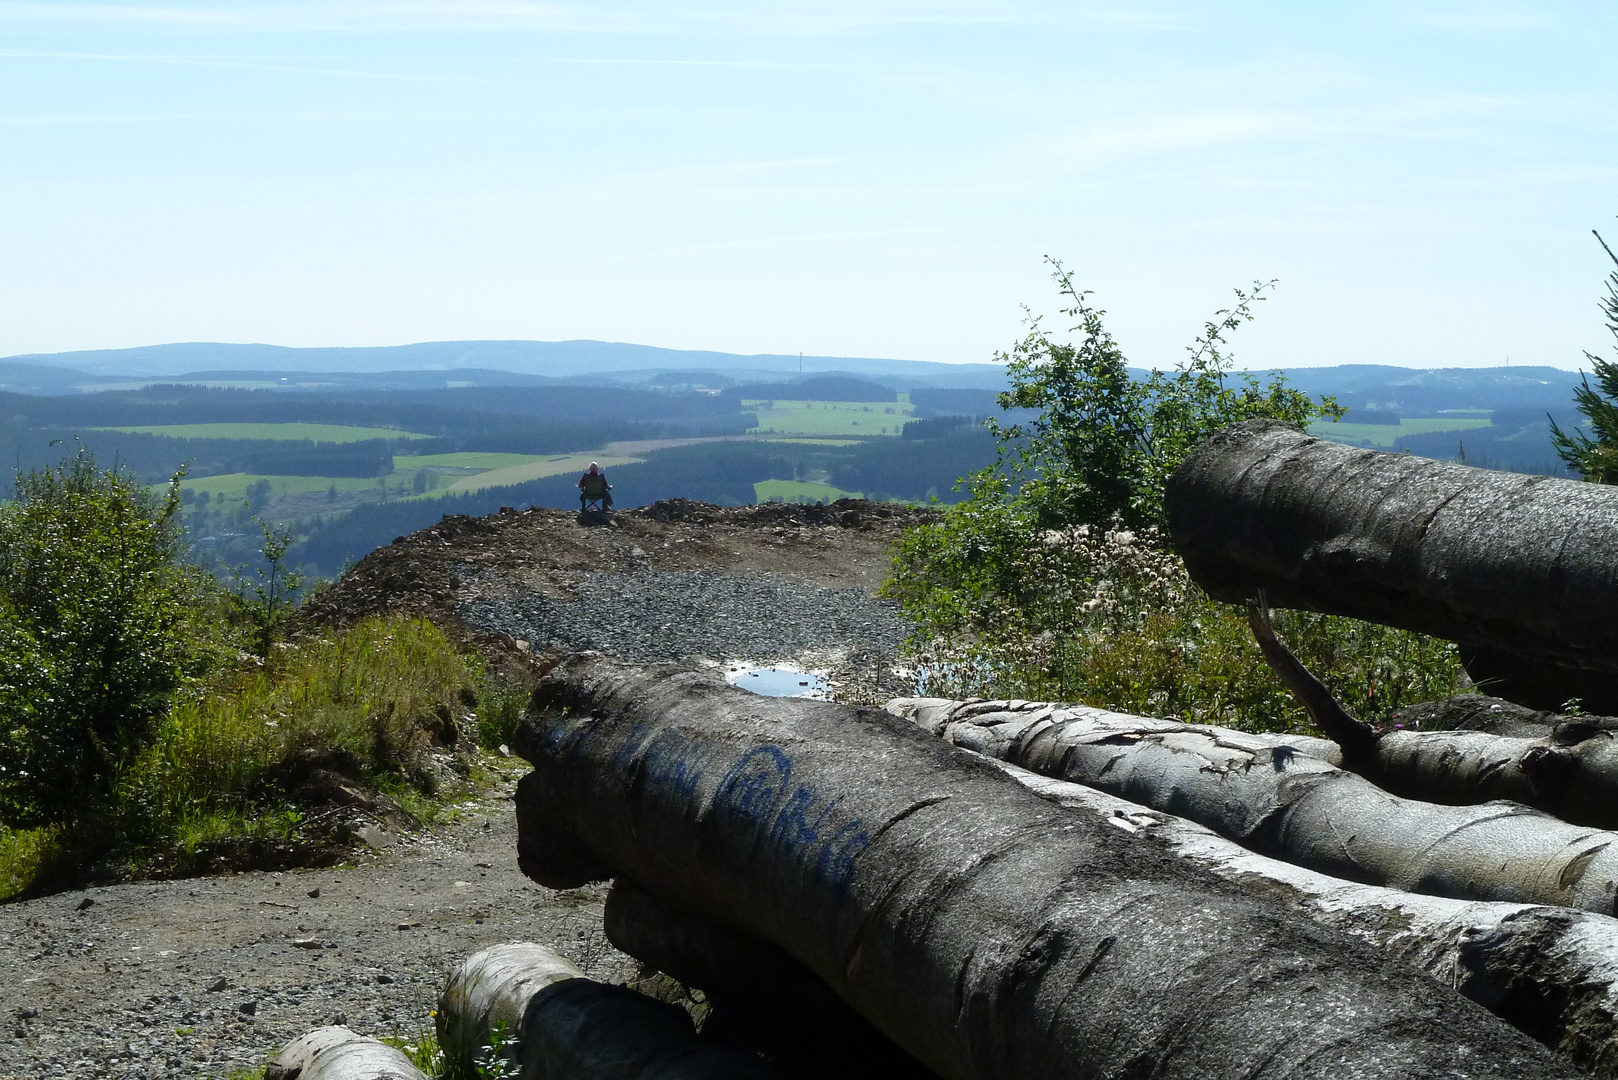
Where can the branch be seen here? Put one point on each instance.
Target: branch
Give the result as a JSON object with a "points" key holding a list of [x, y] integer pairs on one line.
{"points": [[1357, 739]]}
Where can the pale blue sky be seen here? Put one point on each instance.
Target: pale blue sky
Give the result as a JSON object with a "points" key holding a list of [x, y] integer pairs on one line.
{"points": [[874, 178]]}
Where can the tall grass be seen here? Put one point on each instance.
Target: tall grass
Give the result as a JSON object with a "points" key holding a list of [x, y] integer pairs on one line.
{"points": [[372, 704], [366, 702]]}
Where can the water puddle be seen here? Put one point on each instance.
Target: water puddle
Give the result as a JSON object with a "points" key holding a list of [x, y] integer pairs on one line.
{"points": [[782, 680]]}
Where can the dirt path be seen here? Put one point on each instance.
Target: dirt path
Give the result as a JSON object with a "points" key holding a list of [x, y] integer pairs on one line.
{"points": [[208, 976], [123, 987]]}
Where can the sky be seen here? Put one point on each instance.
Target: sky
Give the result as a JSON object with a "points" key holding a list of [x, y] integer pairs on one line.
{"points": [[884, 178]]}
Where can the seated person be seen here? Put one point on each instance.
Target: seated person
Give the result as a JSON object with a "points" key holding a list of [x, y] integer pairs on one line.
{"points": [[593, 485]]}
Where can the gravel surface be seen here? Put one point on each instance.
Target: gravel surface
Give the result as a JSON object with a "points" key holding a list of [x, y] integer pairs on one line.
{"points": [[208, 976], [652, 615]]}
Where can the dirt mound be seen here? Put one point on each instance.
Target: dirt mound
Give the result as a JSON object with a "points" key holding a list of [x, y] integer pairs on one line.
{"points": [[460, 572]]}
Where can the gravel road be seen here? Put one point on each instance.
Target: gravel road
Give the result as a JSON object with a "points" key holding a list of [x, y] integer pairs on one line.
{"points": [[651, 615], [207, 976]]}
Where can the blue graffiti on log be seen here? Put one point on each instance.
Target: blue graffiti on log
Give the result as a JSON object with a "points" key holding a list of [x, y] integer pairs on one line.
{"points": [[801, 823]]}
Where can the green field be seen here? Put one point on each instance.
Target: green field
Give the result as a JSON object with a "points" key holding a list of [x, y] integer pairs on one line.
{"points": [[830, 417], [1384, 434], [805, 441], [233, 486], [534, 469], [798, 491], [470, 460], [332, 433]]}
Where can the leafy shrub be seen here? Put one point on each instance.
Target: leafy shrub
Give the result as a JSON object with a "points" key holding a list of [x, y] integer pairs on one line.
{"points": [[1118, 623], [1103, 442], [100, 623], [1051, 581]]}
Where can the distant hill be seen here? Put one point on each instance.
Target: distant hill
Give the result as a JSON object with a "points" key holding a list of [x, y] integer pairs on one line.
{"points": [[552, 359], [1416, 392]]}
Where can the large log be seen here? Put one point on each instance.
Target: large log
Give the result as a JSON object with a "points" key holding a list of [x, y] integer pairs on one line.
{"points": [[336, 1053], [759, 998], [1568, 769], [1522, 571], [1550, 972], [987, 932], [554, 1023], [1271, 795]]}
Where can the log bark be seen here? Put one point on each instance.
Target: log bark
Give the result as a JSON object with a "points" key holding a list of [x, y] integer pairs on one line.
{"points": [[1271, 795], [336, 1053], [1520, 570], [1478, 712], [759, 998], [1568, 769], [987, 932], [564, 1025], [1550, 972]]}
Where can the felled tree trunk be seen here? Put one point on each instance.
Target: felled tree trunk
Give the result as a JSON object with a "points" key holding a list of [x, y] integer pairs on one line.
{"points": [[1568, 769], [1550, 972], [987, 932], [336, 1053], [759, 998], [1518, 569], [1478, 712], [1268, 795], [526, 1005]]}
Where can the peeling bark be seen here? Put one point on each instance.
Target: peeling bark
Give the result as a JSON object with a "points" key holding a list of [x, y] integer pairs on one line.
{"points": [[336, 1053], [1518, 569], [1282, 796], [1550, 972], [1568, 769], [566, 1025], [984, 930]]}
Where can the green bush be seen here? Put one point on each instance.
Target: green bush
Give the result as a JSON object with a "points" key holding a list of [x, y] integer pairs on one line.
{"points": [[1103, 443], [100, 623], [1050, 580], [1119, 624]]}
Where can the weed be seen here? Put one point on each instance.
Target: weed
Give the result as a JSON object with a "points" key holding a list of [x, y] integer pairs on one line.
{"points": [[501, 703], [421, 1048]]}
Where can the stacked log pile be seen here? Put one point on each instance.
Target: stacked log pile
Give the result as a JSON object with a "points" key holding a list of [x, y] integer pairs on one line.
{"points": [[983, 930]]}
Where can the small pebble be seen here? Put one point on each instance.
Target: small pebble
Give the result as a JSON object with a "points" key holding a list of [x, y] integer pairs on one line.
{"points": [[82, 904], [314, 894], [221, 983]]}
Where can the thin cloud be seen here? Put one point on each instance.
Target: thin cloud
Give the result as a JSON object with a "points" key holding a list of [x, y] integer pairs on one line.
{"points": [[406, 16]]}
